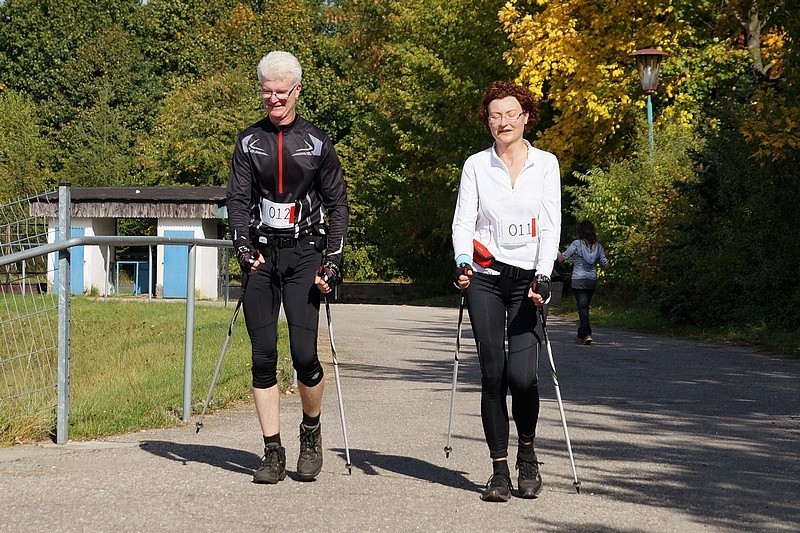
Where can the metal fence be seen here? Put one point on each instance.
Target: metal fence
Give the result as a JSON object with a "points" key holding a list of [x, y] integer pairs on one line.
{"points": [[28, 318], [35, 321]]}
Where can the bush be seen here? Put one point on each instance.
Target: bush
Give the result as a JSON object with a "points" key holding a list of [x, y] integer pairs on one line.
{"points": [[734, 261], [636, 205]]}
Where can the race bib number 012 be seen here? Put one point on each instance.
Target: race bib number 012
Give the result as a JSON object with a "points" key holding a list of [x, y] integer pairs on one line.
{"points": [[517, 233], [278, 216]]}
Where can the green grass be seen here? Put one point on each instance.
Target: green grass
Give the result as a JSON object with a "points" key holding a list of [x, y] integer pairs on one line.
{"points": [[126, 369]]}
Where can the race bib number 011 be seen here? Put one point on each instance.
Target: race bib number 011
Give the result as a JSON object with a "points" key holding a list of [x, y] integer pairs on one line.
{"points": [[516, 233], [278, 216]]}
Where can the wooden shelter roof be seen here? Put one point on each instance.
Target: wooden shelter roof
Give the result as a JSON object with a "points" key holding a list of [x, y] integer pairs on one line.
{"points": [[137, 202]]}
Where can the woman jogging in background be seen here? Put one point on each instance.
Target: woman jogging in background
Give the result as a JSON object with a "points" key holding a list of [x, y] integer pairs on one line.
{"points": [[587, 253], [505, 238]]}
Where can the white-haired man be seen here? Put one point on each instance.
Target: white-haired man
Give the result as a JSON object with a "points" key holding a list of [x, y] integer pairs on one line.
{"points": [[287, 209]]}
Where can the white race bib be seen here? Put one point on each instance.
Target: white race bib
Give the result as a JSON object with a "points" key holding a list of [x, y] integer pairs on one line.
{"points": [[278, 216], [517, 232]]}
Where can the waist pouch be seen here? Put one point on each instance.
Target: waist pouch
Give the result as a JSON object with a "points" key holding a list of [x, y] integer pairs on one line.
{"points": [[481, 255]]}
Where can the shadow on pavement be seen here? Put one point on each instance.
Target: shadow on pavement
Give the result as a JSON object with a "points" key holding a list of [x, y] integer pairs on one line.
{"points": [[237, 461], [710, 429], [370, 462]]}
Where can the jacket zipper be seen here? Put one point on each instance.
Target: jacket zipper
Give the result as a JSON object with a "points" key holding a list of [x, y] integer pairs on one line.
{"points": [[280, 162]]}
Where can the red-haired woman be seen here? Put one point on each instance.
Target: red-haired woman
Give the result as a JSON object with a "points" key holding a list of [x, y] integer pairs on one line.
{"points": [[506, 231]]}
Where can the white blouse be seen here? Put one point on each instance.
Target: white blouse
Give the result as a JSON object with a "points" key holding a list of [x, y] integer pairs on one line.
{"points": [[520, 225]]}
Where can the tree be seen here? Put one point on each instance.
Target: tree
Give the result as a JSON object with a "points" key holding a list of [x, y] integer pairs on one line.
{"points": [[728, 256], [743, 202], [111, 68], [191, 39], [575, 54], [100, 148], [197, 127], [102, 102], [693, 229], [421, 66], [23, 150], [38, 37]]}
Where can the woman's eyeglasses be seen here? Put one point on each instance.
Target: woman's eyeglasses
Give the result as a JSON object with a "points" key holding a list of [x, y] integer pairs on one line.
{"points": [[509, 117]]}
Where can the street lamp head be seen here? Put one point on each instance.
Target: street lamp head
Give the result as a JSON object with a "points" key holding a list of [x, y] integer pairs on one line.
{"points": [[648, 61]]}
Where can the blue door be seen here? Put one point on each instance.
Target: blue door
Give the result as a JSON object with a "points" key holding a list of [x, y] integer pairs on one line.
{"points": [[75, 264], [142, 278], [176, 265]]}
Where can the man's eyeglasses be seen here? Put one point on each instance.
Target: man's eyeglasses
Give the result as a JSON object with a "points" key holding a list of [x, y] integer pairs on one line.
{"points": [[279, 95], [509, 117]]}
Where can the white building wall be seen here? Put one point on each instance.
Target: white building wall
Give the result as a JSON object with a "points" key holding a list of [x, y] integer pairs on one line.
{"points": [[52, 259], [95, 276]]}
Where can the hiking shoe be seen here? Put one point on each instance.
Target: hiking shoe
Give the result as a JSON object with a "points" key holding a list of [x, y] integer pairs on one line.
{"points": [[273, 465], [588, 340], [309, 463], [529, 481], [498, 489]]}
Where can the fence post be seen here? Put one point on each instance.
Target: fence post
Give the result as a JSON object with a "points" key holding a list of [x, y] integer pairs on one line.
{"points": [[149, 273], [64, 289], [107, 273], [189, 344]]}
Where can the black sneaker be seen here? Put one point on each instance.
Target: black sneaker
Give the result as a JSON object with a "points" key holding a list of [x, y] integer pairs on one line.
{"points": [[529, 481], [309, 464], [273, 465], [498, 489]]}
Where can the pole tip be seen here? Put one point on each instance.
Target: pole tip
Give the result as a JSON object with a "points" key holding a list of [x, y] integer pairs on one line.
{"points": [[198, 426], [447, 450], [577, 486]]}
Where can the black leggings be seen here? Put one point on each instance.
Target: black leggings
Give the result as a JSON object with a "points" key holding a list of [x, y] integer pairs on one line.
{"points": [[262, 302], [499, 306]]}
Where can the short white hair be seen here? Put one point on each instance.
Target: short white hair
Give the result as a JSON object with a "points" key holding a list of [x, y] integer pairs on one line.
{"points": [[278, 65]]}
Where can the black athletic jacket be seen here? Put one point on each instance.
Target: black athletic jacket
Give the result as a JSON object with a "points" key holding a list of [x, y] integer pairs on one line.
{"points": [[294, 164]]}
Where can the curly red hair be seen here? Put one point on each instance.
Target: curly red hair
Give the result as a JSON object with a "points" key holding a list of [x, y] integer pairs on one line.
{"points": [[503, 89]]}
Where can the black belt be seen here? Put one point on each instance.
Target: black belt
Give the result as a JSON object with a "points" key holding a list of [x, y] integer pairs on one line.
{"points": [[281, 242], [284, 242], [511, 271]]}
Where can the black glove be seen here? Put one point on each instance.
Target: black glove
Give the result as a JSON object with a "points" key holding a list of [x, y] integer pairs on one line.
{"points": [[541, 286], [247, 257], [330, 273], [464, 269]]}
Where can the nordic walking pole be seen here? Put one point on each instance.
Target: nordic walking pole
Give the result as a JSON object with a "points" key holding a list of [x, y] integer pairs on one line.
{"points": [[576, 484], [447, 448], [338, 385], [199, 423]]}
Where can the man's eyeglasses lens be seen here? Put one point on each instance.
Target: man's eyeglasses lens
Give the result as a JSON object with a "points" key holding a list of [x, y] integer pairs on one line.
{"points": [[511, 117], [280, 96]]}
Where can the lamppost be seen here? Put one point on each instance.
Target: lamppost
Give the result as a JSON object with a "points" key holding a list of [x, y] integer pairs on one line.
{"points": [[648, 61]]}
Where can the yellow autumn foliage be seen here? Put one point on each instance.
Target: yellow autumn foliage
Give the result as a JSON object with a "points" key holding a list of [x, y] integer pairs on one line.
{"points": [[575, 55]]}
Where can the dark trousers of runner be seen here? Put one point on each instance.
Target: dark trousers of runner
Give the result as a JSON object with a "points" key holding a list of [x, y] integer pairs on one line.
{"points": [[499, 307], [287, 277], [583, 299]]}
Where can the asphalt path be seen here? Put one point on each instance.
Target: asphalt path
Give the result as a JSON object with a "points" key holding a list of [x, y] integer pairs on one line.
{"points": [[667, 435]]}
